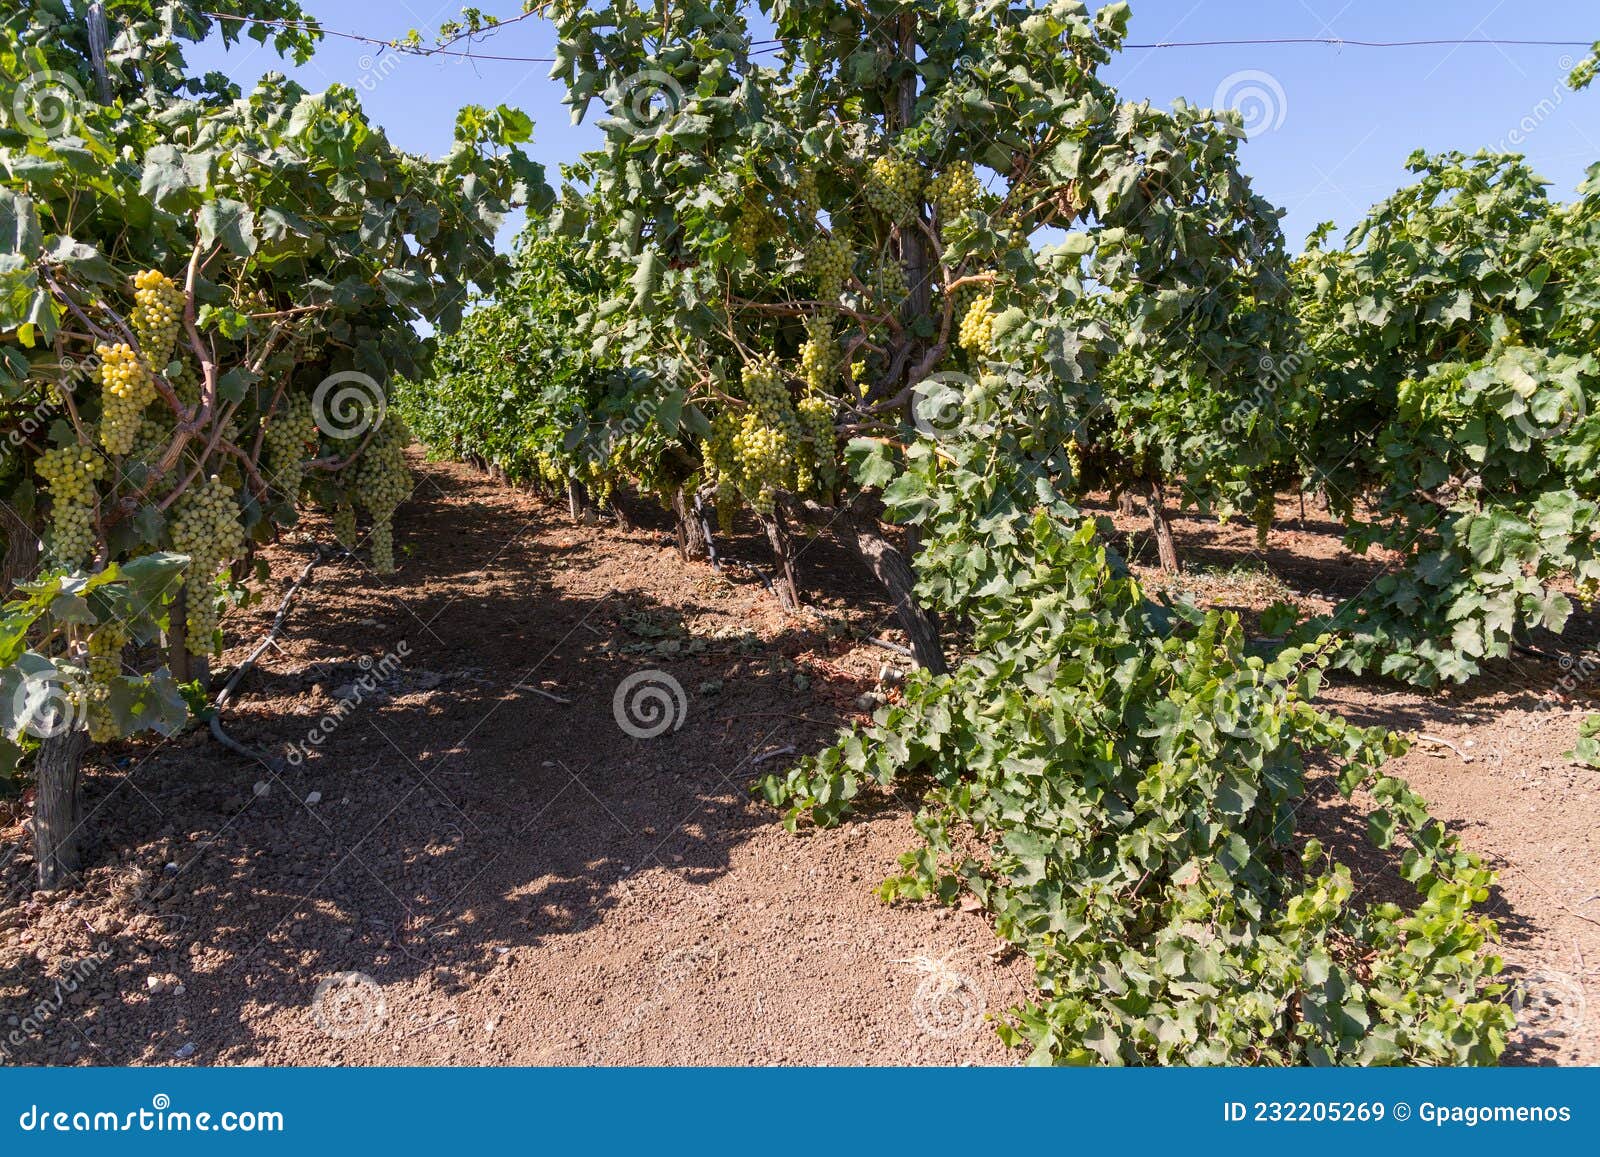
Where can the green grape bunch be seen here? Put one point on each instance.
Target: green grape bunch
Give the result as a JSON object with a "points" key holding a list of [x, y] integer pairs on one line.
{"points": [[816, 419], [207, 529], [829, 260], [807, 196], [105, 665], [290, 438], [150, 442], [70, 474], [754, 226], [758, 451], [381, 483], [344, 525]]}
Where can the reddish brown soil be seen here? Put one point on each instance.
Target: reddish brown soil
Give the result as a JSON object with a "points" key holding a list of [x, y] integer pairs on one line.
{"points": [[492, 876]]}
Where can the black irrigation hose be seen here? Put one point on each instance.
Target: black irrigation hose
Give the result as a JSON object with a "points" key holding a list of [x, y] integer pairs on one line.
{"points": [[225, 696]]}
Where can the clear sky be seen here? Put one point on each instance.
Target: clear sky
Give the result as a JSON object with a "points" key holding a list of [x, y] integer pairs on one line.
{"points": [[1332, 126]]}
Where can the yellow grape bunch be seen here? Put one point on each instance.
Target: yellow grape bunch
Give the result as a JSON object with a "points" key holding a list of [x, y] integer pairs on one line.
{"points": [[819, 353], [290, 438], [126, 388], [207, 529], [381, 483], [764, 388], [954, 191], [977, 326], [829, 261], [894, 186], [105, 665], [70, 473], [157, 311]]}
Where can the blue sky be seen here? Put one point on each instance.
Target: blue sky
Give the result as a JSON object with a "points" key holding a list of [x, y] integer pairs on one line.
{"points": [[1333, 126]]}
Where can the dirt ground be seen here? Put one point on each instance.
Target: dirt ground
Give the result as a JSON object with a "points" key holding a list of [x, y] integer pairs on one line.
{"points": [[489, 860]]}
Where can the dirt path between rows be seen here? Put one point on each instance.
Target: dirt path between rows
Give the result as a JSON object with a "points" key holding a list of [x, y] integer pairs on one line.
{"points": [[479, 865]]}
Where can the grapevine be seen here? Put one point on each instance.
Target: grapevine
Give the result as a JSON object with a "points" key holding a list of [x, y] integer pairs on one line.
{"points": [[819, 354], [889, 283], [753, 227], [756, 451], [344, 525], [816, 417], [829, 261], [954, 191], [808, 198]]}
